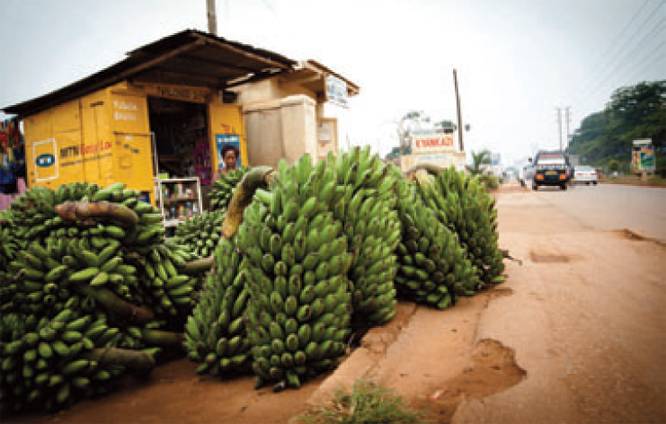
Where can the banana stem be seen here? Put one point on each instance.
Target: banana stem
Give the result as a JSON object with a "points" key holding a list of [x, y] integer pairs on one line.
{"points": [[423, 177], [198, 265], [117, 306], [255, 178], [162, 338], [133, 360], [428, 167], [82, 211]]}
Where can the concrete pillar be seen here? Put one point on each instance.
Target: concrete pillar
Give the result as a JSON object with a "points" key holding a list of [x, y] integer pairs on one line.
{"points": [[299, 127]]}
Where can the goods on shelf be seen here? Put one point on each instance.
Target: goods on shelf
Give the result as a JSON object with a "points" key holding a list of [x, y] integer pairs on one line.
{"points": [[179, 199]]}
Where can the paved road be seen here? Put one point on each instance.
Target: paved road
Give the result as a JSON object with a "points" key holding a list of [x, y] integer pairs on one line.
{"points": [[613, 207]]}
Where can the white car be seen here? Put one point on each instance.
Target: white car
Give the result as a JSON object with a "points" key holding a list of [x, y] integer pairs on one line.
{"points": [[585, 175]]}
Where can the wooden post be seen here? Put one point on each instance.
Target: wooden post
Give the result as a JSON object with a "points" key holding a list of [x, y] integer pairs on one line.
{"points": [[212, 19], [460, 123]]}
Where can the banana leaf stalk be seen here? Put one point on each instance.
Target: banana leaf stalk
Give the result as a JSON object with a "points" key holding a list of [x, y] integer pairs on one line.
{"points": [[117, 306], [133, 360], [258, 177], [198, 265], [162, 338], [84, 211]]}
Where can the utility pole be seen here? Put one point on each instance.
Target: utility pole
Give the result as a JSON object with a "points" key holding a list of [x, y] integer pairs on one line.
{"points": [[212, 19], [559, 124], [460, 124], [567, 121]]}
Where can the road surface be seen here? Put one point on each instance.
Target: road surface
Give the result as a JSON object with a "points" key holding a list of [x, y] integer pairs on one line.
{"points": [[612, 207]]}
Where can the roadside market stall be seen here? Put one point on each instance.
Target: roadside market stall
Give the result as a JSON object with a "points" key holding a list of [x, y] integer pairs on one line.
{"points": [[157, 120]]}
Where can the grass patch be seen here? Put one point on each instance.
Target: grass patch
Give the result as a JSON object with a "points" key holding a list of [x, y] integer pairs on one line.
{"points": [[368, 403], [654, 180]]}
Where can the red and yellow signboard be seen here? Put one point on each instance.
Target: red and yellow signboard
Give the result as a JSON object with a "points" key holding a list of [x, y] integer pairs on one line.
{"points": [[432, 143]]}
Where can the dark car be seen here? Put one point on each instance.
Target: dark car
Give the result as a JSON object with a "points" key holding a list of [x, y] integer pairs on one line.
{"points": [[551, 168]]}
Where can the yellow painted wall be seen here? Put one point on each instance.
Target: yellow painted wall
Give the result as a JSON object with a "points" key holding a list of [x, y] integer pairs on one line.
{"points": [[104, 137], [226, 119], [132, 142], [96, 159]]}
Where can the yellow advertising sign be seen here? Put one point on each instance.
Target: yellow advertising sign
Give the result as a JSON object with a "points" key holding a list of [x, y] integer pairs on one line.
{"points": [[45, 156]]}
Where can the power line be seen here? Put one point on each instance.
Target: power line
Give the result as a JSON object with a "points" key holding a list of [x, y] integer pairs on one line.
{"points": [[622, 49], [623, 63], [613, 44], [586, 98], [639, 66]]}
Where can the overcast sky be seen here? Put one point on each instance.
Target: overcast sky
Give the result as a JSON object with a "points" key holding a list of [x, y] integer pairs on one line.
{"points": [[516, 59]]}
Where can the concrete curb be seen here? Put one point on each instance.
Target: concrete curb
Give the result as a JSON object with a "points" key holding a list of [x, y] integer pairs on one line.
{"points": [[365, 358]]}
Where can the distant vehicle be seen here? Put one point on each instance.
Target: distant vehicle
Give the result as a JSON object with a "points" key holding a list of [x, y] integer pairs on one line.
{"points": [[585, 175], [525, 175], [551, 168]]}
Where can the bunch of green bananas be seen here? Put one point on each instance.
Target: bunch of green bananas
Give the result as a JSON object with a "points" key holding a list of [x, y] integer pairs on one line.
{"points": [[33, 212], [163, 284], [201, 232], [51, 362], [121, 248], [462, 204], [48, 275], [9, 243], [433, 268], [371, 224], [215, 333], [103, 256], [297, 259], [222, 189]]}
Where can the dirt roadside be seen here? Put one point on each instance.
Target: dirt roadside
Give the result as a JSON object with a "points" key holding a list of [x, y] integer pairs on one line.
{"points": [[585, 320], [576, 334]]}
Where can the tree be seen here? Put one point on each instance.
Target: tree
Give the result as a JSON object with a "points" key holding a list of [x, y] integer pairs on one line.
{"points": [[446, 125], [479, 160], [411, 120], [633, 112], [393, 154]]}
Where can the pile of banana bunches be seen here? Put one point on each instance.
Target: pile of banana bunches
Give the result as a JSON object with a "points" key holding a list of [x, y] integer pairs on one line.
{"points": [[324, 250], [201, 233], [90, 290], [223, 188]]}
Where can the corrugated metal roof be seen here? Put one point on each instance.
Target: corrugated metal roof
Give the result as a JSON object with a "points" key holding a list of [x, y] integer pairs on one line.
{"points": [[187, 57]]}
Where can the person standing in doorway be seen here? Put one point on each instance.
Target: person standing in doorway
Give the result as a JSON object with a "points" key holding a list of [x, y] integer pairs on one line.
{"points": [[229, 161]]}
